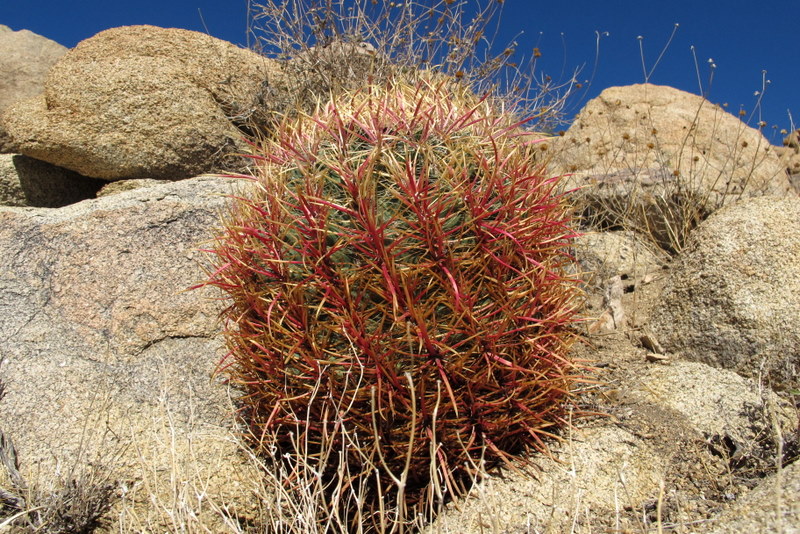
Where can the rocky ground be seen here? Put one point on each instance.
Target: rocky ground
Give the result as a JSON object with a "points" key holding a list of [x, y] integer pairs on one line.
{"points": [[678, 443], [108, 411]]}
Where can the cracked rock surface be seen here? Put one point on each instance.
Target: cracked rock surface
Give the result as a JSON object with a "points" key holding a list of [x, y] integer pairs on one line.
{"points": [[101, 342]]}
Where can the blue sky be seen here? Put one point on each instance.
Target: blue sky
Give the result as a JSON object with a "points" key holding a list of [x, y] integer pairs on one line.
{"points": [[743, 40]]}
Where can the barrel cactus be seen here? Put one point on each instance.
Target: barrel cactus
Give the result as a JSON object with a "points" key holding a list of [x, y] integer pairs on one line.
{"points": [[399, 289]]}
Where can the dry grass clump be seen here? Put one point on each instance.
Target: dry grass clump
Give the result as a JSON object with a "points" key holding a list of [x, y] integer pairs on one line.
{"points": [[326, 47], [657, 205], [77, 503]]}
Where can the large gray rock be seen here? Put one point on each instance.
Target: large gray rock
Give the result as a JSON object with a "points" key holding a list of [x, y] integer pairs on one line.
{"points": [[112, 270], [26, 181], [107, 356], [733, 297], [142, 102], [645, 126], [25, 59], [659, 160]]}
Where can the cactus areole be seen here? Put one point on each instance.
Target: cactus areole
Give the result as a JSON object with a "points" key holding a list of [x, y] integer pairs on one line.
{"points": [[397, 271]]}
